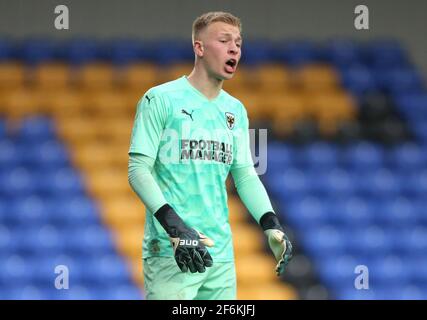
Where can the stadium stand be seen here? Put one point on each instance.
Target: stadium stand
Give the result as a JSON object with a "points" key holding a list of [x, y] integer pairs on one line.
{"points": [[346, 166]]}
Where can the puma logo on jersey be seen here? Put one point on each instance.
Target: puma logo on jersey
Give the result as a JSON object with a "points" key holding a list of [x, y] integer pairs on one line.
{"points": [[188, 114], [183, 242]]}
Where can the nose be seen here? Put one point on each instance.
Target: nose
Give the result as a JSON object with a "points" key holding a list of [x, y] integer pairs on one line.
{"points": [[233, 49]]}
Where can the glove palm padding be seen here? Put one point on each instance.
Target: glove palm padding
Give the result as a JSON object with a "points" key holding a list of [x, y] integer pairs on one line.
{"points": [[281, 248], [190, 251]]}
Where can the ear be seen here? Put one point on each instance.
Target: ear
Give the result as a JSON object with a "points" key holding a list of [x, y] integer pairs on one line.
{"points": [[198, 48]]}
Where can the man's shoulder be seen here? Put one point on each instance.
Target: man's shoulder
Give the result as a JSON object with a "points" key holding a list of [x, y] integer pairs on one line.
{"points": [[167, 88]]}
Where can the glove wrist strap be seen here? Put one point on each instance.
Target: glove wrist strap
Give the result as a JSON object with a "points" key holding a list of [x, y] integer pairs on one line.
{"points": [[270, 221], [170, 220]]}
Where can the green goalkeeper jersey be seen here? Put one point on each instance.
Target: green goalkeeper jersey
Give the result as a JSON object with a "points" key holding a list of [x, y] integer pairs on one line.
{"points": [[195, 143]]}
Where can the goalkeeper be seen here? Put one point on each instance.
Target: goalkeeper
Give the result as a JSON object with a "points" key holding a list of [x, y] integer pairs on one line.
{"points": [[188, 135]]}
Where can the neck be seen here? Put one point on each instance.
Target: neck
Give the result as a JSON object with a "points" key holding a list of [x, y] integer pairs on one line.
{"points": [[207, 85]]}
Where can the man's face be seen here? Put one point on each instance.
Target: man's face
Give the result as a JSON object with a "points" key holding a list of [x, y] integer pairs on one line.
{"points": [[220, 49]]}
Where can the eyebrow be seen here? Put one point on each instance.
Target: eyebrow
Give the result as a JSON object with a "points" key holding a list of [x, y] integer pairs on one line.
{"points": [[229, 34]]}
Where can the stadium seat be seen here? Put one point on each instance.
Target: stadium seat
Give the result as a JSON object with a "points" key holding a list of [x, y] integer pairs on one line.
{"points": [[12, 75], [79, 51], [51, 76]]}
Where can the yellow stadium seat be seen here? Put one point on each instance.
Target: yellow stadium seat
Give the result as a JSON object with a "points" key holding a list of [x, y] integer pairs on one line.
{"points": [[110, 104], [266, 291], [51, 76], [256, 268], [237, 212], [108, 183], [92, 156], [271, 78], [242, 233], [12, 75], [20, 103], [62, 103], [76, 130], [318, 78], [331, 109], [95, 76], [253, 103], [292, 110], [140, 76], [123, 212], [176, 71], [137, 271], [239, 81], [129, 241]]}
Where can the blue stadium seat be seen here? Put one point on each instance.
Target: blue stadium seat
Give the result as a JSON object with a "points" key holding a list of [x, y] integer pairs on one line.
{"points": [[48, 266], [388, 270], [172, 51], [125, 51], [338, 271], [420, 128], [60, 182], [350, 212], [3, 130], [342, 52], [88, 240], [333, 183], [296, 52], [290, 184], [15, 271], [25, 292], [416, 240], [385, 53], [74, 211], [400, 211], [110, 268], [81, 50], [30, 210], [368, 241], [280, 157], [417, 269], [37, 50], [257, 52], [412, 105], [9, 155], [399, 80], [323, 239], [124, 292], [41, 239], [8, 245], [363, 156], [49, 155], [408, 157], [305, 213], [7, 50], [18, 182], [414, 184], [36, 130], [358, 79], [318, 156]]}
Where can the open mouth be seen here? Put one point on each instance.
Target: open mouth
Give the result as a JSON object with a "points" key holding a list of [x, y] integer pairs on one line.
{"points": [[231, 62], [231, 65]]}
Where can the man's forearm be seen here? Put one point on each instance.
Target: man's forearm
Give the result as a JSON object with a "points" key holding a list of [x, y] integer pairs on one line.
{"points": [[252, 192], [143, 183]]}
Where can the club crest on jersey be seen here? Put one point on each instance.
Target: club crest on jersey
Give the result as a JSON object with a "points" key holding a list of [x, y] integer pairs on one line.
{"points": [[229, 117]]}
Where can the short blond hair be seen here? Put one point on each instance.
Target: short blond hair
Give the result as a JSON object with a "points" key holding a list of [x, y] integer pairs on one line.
{"points": [[208, 18]]}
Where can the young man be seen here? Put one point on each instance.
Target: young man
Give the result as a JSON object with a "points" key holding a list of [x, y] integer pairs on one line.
{"points": [[187, 136]]}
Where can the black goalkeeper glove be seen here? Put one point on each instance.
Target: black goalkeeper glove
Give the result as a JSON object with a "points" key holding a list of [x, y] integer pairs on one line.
{"points": [[277, 240], [189, 245]]}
